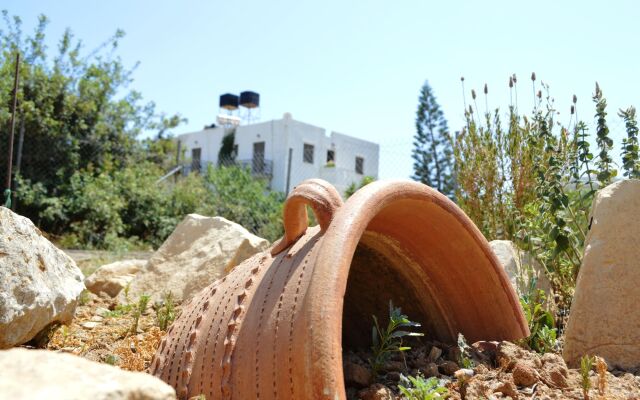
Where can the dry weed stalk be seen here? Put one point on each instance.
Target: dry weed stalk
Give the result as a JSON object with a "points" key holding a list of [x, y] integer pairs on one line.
{"points": [[601, 369], [136, 354]]}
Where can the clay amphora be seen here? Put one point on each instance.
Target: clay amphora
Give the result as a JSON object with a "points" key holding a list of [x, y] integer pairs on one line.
{"points": [[276, 326]]}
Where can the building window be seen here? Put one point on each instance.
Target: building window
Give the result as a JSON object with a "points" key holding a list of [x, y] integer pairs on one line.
{"points": [[258, 158], [359, 165], [331, 156], [307, 154], [195, 159]]}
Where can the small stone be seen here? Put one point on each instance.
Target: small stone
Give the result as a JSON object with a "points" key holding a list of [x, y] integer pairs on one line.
{"points": [[524, 375], [101, 311], [376, 392], [448, 368], [393, 366], [96, 318], [463, 374], [356, 374], [507, 388], [434, 354], [393, 376], [429, 370], [89, 324]]}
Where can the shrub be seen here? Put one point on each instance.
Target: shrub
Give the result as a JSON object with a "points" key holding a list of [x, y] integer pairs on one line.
{"points": [[532, 180]]}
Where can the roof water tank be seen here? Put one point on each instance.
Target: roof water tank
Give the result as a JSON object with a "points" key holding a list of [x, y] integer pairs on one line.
{"points": [[249, 99], [229, 101]]}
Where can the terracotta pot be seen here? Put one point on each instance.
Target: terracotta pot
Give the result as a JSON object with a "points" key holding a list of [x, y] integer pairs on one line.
{"points": [[275, 327]]}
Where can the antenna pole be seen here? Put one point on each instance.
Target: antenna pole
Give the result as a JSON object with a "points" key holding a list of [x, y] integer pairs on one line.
{"points": [[7, 192]]}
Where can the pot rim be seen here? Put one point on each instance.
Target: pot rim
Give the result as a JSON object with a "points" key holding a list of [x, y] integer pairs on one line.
{"points": [[326, 291]]}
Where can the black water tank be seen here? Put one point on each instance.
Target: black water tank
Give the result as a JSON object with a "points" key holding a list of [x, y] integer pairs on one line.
{"points": [[249, 99], [229, 101]]}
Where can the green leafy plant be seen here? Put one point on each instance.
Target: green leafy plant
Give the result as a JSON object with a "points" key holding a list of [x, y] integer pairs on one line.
{"points": [[165, 311], [586, 365], [389, 340], [120, 310], [419, 388], [138, 310], [541, 322]]}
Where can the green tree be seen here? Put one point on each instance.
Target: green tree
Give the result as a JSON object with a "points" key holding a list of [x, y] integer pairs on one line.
{"points": [[76, 113], [432, 146]]}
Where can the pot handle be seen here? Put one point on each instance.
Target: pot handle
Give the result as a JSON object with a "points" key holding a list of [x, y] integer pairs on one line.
{"points": [[323, 199]]}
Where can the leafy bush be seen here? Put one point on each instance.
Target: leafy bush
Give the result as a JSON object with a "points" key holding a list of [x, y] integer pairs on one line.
{"points": [[240, 197], [532, 180]]}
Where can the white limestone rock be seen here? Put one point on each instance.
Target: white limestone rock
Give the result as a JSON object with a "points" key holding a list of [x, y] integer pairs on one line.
{"points": [[43, 374], [200, 251], [521, 267], [112, 278], [39, 284]]}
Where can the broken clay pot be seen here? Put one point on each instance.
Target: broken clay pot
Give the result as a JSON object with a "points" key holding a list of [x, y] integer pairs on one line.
{"points": [[275, 327]]}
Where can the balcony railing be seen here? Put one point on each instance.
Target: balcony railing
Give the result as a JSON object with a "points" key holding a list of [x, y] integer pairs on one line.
{"points": [[258, 168]]}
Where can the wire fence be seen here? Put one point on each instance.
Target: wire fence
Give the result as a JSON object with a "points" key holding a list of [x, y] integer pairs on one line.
{"points": [[94, 193]]}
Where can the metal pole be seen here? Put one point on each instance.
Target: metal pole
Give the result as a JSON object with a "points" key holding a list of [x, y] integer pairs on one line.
{"points": [[289, 170], [178, 151], [7, 192]]}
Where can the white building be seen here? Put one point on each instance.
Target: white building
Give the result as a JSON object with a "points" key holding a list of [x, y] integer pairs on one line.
{"points": [[286, 152]]}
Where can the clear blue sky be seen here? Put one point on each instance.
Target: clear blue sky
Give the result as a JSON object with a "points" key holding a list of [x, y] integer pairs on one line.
{"points": [[357, 67]]}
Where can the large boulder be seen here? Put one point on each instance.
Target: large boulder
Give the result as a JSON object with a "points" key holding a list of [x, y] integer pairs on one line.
{"points": [[521, 267], [199, 251], [112, 278], [39, 284], [43, 374], [605, 312]]}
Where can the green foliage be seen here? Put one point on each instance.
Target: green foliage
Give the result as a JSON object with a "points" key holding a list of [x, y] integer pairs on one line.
{"points": [[433, 149], [389, 340], [606, 171], [120, 310], [630, 158], [165, 311], [419, 388], [541, 322], [226, 155], [353, 187], [240, 197], [532, 180], [586, 365]]}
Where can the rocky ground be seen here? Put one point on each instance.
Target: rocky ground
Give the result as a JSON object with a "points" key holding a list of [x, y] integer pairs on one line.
{"points": [[102, 331], [498, 371]]}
